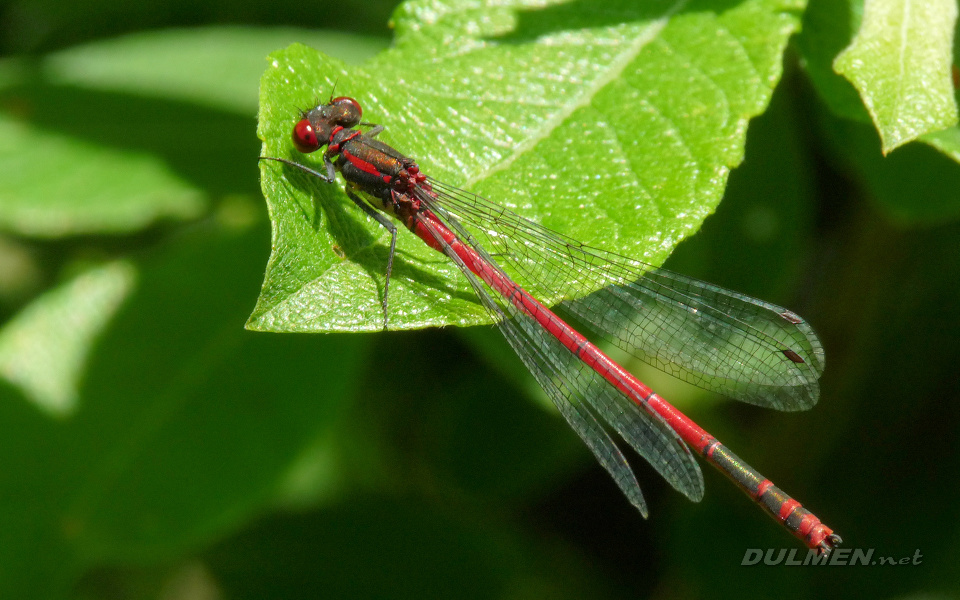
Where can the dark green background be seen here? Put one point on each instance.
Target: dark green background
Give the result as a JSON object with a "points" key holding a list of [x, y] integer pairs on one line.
{"points": [[448, 481]]}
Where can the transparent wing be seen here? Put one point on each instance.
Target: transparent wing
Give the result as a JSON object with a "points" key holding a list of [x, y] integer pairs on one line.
{"points": [[706, 335], [583, 396]]}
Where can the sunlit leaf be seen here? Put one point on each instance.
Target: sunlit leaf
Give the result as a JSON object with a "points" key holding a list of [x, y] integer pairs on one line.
{"points": [[900, 62], [617, 127]]}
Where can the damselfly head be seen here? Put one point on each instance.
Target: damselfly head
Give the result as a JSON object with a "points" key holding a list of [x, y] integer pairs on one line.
{"points": [[317, 125]]}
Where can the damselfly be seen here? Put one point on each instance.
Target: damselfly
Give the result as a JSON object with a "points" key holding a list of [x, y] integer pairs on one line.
{"points": [[717, 339]]}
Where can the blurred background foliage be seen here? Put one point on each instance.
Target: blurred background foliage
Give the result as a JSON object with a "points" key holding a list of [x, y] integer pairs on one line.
{"points": [[150, 447]]}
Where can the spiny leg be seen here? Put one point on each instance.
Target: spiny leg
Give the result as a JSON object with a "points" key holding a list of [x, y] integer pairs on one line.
{"points": [[329, 177], [389, 226]]}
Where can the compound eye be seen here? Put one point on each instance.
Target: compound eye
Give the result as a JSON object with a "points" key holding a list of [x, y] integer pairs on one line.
{"points": [[350, 111], [304, 137]]}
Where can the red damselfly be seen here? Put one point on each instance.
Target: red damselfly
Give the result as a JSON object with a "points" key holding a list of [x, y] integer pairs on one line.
{"points": [[714, 338]]}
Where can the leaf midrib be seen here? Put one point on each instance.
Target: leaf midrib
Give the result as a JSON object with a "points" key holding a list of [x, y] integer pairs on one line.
{"points": [[613, 71]]}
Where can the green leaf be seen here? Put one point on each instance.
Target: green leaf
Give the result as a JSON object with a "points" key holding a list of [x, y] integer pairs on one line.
{"points": [[55, 184], [916, 185], [828, 28], [112, 136], [616, 127], [946, 141], [183, 426], [900, 62], [164, 63], [43, 350]]}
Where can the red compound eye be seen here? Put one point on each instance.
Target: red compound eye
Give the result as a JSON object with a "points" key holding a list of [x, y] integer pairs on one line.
{"points": [[347, 111], [348, 101], [304, 137]]}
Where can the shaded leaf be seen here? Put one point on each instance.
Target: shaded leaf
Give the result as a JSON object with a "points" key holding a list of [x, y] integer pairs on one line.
{"points": [[828, 28], [55, 184], [914, 186], [184, 424], [44, 349], [164, 63], [946, 141], [115, 135]]}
